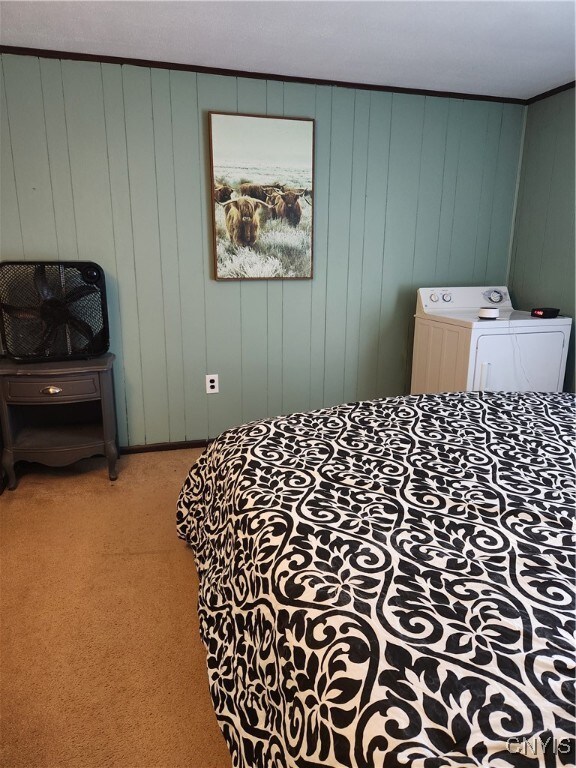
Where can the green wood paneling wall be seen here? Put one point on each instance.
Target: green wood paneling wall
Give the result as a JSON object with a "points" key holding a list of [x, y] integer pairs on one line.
{"points": [[542, 269], [110, 163]]}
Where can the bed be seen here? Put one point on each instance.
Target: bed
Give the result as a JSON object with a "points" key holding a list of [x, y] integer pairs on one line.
{"points": [[391, 583]]}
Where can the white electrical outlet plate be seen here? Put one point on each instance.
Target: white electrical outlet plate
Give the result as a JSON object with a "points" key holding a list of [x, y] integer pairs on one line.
{"points": [[212, 384]]}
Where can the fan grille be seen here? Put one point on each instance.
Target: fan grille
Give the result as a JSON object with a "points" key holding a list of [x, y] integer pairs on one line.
{"points": [[53, 310]]}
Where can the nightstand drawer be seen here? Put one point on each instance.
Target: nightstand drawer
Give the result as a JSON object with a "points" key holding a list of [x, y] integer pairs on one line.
{"points": [[45, 389]]}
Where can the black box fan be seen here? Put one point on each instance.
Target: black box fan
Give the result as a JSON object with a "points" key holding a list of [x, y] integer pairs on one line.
{"points": [[53, 310]]}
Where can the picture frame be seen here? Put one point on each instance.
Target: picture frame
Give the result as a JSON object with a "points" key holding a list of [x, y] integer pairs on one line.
{"points": [[262, 182]]}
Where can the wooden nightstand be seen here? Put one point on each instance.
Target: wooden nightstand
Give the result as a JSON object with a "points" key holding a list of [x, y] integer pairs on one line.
{"points": [[57, 413]]}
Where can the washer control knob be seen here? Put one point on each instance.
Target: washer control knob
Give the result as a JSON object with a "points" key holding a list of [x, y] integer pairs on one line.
{"points": [[433, 297], [495, 297], [446, 297]]}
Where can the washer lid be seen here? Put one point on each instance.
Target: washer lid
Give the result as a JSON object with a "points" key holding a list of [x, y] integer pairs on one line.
{"points": [[509, 318]]}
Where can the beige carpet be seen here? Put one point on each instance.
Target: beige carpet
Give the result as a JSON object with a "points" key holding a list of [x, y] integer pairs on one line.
{"points": [[102, 664]]}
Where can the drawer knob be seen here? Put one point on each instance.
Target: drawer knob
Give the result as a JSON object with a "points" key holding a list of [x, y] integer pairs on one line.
{"points": [[51, 390]]}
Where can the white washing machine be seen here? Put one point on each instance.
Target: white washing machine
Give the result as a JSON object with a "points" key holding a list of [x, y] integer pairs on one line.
{"points": [[455, 350]]}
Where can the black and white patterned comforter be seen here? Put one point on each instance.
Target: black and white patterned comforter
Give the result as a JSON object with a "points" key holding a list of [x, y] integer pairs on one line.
{"points": [[390, 583]]}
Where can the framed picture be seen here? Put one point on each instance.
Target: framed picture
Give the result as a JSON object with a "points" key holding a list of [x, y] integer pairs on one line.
{"points": [[262, 195]]}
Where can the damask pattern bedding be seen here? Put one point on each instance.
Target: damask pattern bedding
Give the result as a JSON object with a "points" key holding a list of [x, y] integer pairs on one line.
{"points": [[390, 583]]}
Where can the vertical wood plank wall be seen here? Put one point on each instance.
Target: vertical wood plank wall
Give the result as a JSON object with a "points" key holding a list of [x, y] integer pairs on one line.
{"points": [[542, 269], [110, 163]]}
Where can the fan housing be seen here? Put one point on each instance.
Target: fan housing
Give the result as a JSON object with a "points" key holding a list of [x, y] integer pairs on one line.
{"points": [[53, 310]]}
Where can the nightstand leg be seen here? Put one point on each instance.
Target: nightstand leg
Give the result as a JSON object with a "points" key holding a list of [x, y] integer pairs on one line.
{"points": [[8, 466], [109, 422], [112, 456]]}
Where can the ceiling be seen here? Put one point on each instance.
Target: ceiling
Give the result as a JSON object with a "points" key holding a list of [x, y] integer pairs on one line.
{"points": [[513, 49]]}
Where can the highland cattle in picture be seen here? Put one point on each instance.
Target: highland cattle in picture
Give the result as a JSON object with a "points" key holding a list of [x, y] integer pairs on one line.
{"points": [[262, 194], [243, 220]]}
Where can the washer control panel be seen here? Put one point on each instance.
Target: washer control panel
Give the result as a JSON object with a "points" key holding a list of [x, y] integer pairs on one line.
{"points": [[441, 299]]}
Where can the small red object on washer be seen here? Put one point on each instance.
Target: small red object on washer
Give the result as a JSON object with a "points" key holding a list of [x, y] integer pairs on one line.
{"points": [[545, 312]]}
